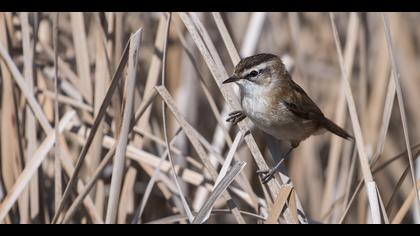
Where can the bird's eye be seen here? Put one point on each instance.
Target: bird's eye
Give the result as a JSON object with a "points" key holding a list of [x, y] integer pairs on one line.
{"points": [[253, 73]]}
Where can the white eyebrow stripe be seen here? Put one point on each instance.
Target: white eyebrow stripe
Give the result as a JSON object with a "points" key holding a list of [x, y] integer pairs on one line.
{"points": [[257, 68]]}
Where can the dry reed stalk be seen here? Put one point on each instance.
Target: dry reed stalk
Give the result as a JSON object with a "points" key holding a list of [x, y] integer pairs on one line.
{"points": [[151, 81], [336, 142], [279, 204], [398, 185], [219, 188], [20, 81], [81, 50], [68, 167], [7, 144], [186, 208], [65, 100], [253, 33], [10, 147], [66, 71], [406, 206], [32, 166], [102, 74], [105, 160], [198, 147], [367, 175], [119, 159], [98, 118], [396, 75], [229, 158], [150, 184], [57, 153], [28, 46]]}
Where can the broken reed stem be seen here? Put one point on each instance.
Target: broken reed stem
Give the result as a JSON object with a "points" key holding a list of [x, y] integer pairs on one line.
{"points": [[98, 119], [119, 158], [108, 157], [219, 188], [198, 147], [31, 167], [57, 164]]}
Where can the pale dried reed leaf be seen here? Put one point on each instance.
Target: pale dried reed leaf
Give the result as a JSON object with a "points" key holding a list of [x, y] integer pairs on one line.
{"points": [[380, 79], [399, 184], [337, 142], [8, 145], [197, 145], [220, 188], [174, 149], [57, 153], [220, 135], [152, 78], [229, 158], [12, 150], [119, 158], [112, 147], [233, 53], [367, 175], [150, 184], [69, 169], [386, 117], [376, 170], [293, 206], [20, 81], [396, 75], [126, 204], [402, 212], [30, 125], [81, 49], [279, 204], [165, 130], [180, 217], [375, 208], [32, 166], [83, 192], [66, 71], [143, 157], [65, 100], [102, 110], [154, 70], [102, 74], [254, 29]]}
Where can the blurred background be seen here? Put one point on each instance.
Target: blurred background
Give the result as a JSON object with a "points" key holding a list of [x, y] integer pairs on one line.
{"points": [[201, 49]]}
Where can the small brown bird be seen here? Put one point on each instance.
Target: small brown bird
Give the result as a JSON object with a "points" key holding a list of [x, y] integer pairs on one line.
{"points": [[276, 104]]}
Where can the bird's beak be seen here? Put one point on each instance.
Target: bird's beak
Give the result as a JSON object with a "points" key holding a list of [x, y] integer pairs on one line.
{"points": [[230, 80]]}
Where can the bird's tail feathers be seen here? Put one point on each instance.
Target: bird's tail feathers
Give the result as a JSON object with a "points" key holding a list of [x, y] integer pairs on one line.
{"points": [[335, 129]]}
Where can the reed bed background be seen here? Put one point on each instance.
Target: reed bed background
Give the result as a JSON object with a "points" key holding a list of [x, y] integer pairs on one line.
{"points": [[120, 118]]}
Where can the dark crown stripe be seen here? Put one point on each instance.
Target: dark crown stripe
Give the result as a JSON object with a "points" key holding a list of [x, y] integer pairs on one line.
{"points": [[252, 61]]}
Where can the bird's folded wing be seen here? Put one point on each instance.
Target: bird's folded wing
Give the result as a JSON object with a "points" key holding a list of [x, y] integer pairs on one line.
{"points": [[300, 104]]}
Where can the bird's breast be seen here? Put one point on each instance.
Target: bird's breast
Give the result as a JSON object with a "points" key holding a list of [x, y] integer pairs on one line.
{"points": [[276, 119], [263, 112]]}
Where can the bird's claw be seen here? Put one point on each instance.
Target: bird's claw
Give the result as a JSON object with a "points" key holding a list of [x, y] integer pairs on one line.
{"points": [[235, 117], [267, 175]]}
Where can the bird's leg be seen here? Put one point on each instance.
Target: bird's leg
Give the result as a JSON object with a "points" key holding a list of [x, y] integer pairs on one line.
{"points": [[235, 117], [269, 174]]}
